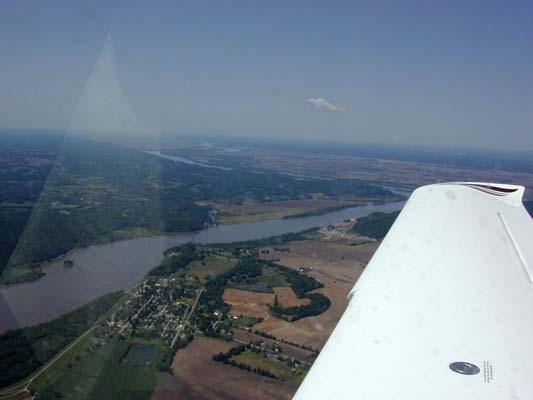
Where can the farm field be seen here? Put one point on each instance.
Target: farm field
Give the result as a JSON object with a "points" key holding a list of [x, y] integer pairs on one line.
{"points": [[280, 304], [210, 267], [287, 297], [251, 212], [387, 166], [105, 373], [219, 381], [169, 388], [290, 350], [335, 264], [277, 367], [254, 304], [250, 304], [265, 283]]}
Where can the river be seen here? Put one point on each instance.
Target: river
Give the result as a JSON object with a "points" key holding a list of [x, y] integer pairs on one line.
{"points": [[106, 268], [186, 161]]}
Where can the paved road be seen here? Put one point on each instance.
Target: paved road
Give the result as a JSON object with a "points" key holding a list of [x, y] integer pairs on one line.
{"points": [[187, 317], [23, 387]]}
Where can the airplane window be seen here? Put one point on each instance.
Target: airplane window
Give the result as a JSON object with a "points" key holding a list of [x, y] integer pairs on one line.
{"points": [[190, 191]]}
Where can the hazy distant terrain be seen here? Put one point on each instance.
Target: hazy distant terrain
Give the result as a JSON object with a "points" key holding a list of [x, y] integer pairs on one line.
{"points": [[251, 315], [63, 192], [386, 164]]}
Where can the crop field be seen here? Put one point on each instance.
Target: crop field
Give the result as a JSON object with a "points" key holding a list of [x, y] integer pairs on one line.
{"points": [[250, 304], [279, 368], [335, 264], [169, 388], [139, 354], [386, 166], [264, 283], [289, 350], [211, 266], [287, 297], [218, 381], [250, 212], [101, 374], [255, 304], [244, 322]]}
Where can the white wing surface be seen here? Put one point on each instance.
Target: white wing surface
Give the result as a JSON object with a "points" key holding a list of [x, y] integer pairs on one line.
{"points": [[444, 310]]}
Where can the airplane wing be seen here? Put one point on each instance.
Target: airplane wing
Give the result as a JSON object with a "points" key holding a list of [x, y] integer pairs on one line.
{"points": [[444, 310]]}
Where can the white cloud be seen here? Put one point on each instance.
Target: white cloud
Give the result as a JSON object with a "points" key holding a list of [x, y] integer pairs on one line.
{"points": [[324, 105]]}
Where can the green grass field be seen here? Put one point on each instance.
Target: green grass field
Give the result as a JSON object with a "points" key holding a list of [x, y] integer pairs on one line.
{"points": [[279, 368], [264, 283], [139, 354], [212, 266], [54, 369], [243, 322], [119, 370], [104, 373]]}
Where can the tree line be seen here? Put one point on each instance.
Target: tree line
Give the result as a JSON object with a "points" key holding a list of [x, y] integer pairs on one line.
{"points": [[301, 284], [22, 351], [226, 358]]}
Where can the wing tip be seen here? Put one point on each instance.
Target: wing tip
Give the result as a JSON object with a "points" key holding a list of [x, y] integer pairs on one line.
{"points": [[509, 191]]}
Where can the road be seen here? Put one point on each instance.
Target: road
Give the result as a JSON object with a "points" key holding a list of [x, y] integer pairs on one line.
{"points": [[187, 317], [23, 386], [137, 314]]}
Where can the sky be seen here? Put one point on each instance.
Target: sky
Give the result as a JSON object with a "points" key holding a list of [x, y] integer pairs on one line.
{"points": [[447, 73]]}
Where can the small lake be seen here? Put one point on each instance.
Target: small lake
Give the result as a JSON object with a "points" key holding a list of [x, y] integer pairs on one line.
{"points": [[106, 268]]}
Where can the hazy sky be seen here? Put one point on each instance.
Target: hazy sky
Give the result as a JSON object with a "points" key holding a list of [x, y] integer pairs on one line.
{"points": [[443, 72]]}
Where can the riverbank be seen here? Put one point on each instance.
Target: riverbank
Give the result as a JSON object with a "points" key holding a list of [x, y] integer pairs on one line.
{"points": [[109, 267], [257, 212], [223, 215], [326, 210], [20, 274]]}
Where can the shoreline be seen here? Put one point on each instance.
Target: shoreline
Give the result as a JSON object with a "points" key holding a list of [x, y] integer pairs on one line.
{"points": [[145, 234], [119, 265], [46, 264]]}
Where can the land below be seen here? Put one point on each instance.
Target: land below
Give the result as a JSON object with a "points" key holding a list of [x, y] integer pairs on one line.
{"points": [[212, 320], [251, 316], [81, 192], [397, 167], [253, 212]]}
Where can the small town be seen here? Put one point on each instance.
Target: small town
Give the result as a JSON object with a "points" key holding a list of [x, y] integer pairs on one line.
{"points": [[165, 312]]}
